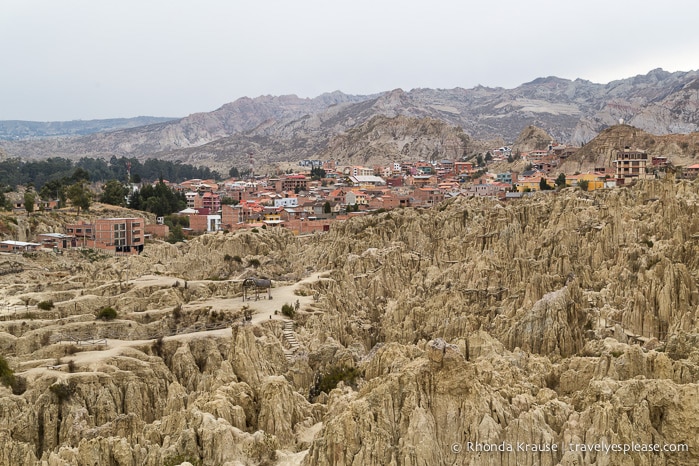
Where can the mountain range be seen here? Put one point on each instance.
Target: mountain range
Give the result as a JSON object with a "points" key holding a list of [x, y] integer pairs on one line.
{"points": [[20, 129], [421, 123]]}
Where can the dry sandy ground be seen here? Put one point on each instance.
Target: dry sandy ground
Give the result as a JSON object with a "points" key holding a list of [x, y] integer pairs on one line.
{"points": [[263, 309]]}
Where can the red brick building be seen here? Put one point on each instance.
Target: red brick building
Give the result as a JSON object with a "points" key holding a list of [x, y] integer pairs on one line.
{"points": [[427, 197], [290, 183], [123, 235]]}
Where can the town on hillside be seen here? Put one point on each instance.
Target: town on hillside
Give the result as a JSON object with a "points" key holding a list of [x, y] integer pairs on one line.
{"points": [[322, 192]]}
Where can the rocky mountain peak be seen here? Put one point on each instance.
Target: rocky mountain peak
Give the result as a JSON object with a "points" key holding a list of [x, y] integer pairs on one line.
{"points": [[291, 128]]}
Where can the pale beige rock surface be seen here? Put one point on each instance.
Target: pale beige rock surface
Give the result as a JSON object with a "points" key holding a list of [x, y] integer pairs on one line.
{"points": [[568, 318]]}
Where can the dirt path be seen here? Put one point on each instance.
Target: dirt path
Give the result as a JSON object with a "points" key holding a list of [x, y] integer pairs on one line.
{"points": [[262, 310]]}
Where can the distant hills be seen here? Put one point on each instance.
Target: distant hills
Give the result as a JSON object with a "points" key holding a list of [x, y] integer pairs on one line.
{"points": [[275, 130], [19, 129]]}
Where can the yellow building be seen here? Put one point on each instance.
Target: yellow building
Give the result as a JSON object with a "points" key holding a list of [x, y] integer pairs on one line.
{"points": [[272, 216], [594, 180], [533, 183]]}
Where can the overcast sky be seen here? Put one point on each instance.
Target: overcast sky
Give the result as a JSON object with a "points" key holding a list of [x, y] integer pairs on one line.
{"points": [[71, 59]]}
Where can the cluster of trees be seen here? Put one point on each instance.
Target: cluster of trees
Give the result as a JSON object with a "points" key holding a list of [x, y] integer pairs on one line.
{"points": [[234, 172], [37, 173], [176, 224], [159, 199], [560, 182], [317, 173], [73, 187], [61, 179]]}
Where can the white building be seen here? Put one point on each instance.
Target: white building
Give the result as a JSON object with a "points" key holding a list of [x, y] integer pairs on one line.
{"points": [[368, 180], [213, 223], [286, 202]]}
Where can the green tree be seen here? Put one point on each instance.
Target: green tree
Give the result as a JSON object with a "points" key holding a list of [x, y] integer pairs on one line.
{"points": [[54, 189], [543, 185], [80, 196], [317, 173], [29, 198], [176, 234], [159, 199], [45, 305], [158, 205], [173, 220], [561, 180], [136, 200], [334, 375], [327, 208], [80, 174], [584, 184], [234, 173], [114, 193], [479, 160]]}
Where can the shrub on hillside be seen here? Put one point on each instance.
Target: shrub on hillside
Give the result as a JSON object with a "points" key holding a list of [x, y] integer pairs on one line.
{"points": [[7, 375], [327, 381], [288, 310], [107, 313], [177, 312], [62, 391], [19, 386], [45, 305], [254, 263]]}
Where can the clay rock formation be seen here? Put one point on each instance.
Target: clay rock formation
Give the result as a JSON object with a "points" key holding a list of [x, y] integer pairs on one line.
{"points": [[473, 265], [567, 318], [428, 415], [552, 325], [532, 138], [550, 286], [134, 408]]}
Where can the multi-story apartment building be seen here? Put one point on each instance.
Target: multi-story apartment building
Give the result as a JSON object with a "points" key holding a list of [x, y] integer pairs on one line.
{"points": [[209, 202], [290, 183], [112, 234], [630, 164]]}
